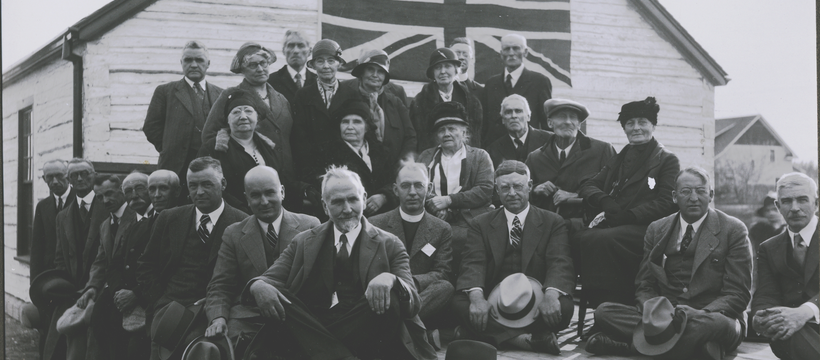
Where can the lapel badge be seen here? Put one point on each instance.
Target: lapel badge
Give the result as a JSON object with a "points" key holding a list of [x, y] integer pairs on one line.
{"points": [[651, 183]]}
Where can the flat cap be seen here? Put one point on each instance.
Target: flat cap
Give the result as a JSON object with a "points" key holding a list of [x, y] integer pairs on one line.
{"points": [[553, 105]]}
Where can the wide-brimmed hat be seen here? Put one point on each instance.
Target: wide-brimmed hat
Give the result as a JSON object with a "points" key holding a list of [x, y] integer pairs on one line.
{"points": [[553, 105], [767, 202], [442, 55], [660, 328], [75, 320], [326, 47], [202, 348], [448, 112], [516, 300], [175, 321], [249, 47], [30, 316], [52, 286], [470, 350], [134, 320], [647, 109], [375, 57]]}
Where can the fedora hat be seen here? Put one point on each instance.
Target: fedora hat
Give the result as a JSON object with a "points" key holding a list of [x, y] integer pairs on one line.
{"points": [[442, 55], [30, 316], [134, 319], [516, 300], [375, 57], [52, 286], [553, 105], [75, 320], [660, 328], [326, 47], [202, 348], [470, 350], [173, 324]]}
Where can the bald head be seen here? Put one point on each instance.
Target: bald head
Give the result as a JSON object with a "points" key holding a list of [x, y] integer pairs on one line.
{"points": [[264, 192], [163, 189]]}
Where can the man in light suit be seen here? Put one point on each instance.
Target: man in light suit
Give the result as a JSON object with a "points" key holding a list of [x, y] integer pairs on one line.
{"points": [[344, 289], [177, 113], [535, 87], [522, 138], [785, 304], [698, 258], [180, 256], [517, 238], [427, 239], [250, 247], [294, 75]]}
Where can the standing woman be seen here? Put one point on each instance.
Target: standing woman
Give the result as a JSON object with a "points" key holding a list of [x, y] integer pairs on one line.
{"points": [[443, 71]]}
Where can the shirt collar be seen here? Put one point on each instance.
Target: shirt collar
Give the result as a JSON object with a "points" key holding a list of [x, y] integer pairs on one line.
{"points": [[567, 150], [147, 211], [365, 149], [695, 225], [64, 196], [352, 235], [462, 77], [460, 154], [89, 198], [410, 218], [523, 138], [293, 73], [214, 215], [277, 223], [806, 233], [516, 74], [190, 82], [521, 216], [119, 211]]}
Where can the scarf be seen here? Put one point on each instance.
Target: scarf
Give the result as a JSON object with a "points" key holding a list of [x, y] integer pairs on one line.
{"points": [[376, 112]]}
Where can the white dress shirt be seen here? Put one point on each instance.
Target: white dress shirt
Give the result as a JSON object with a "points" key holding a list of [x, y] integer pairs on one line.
{"points": [[277, 224], [516, 74], [191, 83], [452, 170], [695, 227], [89, 198], [567, 150], [214, 215], [147, 211], [806, 234], [523, 138], [352, 235], [119, 212], [301, 73], [64, 196]]}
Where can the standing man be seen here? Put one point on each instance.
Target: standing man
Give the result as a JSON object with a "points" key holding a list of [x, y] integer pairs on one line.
{"points": [[250, 247], [463, 47], [344, 289], [517, 238], [180, 256], [535, 87], [701, 261], [785, 303], [522, 138], [427, 239], [44, 231], [294, 75], [178, 111]]}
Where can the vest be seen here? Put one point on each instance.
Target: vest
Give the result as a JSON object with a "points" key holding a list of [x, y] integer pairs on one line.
{"points": [[511, 263], [80, 236], [122, 272], [201, 110], [190, 280], [346, 279], [678, 267]]}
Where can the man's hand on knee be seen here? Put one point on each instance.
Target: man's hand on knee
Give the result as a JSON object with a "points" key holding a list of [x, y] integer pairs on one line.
{"points": [[269, 300], [479, 310], [550, 308], [787, 321], [378, 292]]}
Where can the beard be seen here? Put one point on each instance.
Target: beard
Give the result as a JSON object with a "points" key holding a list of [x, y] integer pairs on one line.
{"points": [[347, 224]]}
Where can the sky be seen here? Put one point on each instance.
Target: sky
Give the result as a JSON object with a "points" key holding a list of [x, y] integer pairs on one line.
{"points": [[767, 48]]}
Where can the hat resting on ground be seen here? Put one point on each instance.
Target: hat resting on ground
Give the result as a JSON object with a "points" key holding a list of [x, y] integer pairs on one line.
{"points": [[326, 47], [75, 320], [470, 350], [553, 105], [660, 328], [134, 320], [442, 55], [376, 57], [173, 324], [52, 286], [516, 300], [647, 109]]}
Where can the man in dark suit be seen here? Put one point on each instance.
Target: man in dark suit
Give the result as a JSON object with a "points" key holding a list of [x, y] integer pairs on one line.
{"points": [[535, 87], [523, 138], [44, 231], [785, 304], [565, 160], [177, 113], [344, 289], [294, 75], [181, 253], [427, 239], [463, 47], [250, 247], [517, 238], [701, 260]]}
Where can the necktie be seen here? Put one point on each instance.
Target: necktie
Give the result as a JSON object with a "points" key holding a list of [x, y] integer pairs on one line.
{"points": [[508, 84], [520, 152], [298, 78], [200, 93], [342, 254], [799, 250], [203, 232], [59, 204], [83, 211], [115, 224], [562, 157], [515, 233], [687, 238], [271, 236]]}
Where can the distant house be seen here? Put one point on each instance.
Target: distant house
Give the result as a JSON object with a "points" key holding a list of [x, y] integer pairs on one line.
{"points": [[749, 158]]}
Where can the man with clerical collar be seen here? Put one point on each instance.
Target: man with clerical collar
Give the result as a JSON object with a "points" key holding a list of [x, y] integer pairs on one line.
{"points": [[700, 260], [294, 75], [427, 240], [344, 288], [785, 304], [250, 247], [522, 138]]}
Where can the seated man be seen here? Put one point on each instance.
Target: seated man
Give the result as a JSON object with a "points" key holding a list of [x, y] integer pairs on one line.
{"points": [[250, 247], [427, 240], [523, 138], [343, 289], [518, 238], [785, 303], [700, 260]]}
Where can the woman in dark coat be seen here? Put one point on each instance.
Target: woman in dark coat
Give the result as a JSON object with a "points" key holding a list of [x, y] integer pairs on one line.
{"points": [[443, 70], [632, 190]]}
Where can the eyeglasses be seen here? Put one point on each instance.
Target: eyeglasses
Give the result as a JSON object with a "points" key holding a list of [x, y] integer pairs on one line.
{"points": [[79, 174], [254, 65], [686, 192], [52, 177], [406, 186], [506, 188]]}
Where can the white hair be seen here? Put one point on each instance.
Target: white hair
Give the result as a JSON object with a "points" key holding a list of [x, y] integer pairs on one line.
{"points": [[515, 97], [796, 179], [341, 172]]}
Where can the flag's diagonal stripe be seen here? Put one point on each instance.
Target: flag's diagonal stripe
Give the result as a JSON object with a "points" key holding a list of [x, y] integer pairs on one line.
{"points": [[493, 42]]}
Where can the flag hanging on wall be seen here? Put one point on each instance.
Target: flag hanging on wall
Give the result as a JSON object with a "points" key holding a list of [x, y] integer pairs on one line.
{"points": [[409, 30]]}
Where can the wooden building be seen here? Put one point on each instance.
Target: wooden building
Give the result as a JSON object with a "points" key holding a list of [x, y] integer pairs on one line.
{"points": [[86, 92]]}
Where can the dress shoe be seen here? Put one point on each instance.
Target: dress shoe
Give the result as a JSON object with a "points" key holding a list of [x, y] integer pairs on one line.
{"points": [[434, 339], [600, 344], [545, 342], [712, 351]]}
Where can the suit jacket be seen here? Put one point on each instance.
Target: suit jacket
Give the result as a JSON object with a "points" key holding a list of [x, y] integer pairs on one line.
{"points": [[586, 158], [648, 200], [242, 258], [379, 252], [476, 181], [66, 257], [284, 84], [432, 230], [545, 253], [428, 98], [779, 283], [535, 87], [109, 242], [171, 112], [163, 253], [722, 270], [44, 233], [503, 148]]}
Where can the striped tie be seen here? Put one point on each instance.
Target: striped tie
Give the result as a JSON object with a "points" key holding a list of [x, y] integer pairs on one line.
{"points": [[687, 238], [203, 232], [272, 237], [515, 233]]}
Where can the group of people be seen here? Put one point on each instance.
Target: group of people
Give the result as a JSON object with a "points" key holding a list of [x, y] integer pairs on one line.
{"points": [[299, 216]]}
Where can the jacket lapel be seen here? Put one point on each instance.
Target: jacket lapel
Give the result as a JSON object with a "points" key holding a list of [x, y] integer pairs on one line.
{"points": [[533, 232], [367, 250], [288, 229], [653, 162], [184, 97], [810, 266], [312, 247], [780, 253], [267, 113], [422, 235], [129, 216], [576, 151], [499, 235], [181, 233], [707, 239], [523, 82], [213, 93], [252, 244], [657, 253]]}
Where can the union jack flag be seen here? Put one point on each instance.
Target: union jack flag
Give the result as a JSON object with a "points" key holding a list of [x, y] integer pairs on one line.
{"points": [[410, 30]]}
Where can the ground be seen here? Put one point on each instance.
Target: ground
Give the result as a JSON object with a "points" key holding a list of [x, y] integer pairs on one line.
{"points": [[21, 343]]}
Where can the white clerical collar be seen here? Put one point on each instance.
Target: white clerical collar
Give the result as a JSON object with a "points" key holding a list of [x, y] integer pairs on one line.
{"points": [[806, 233], [521, 216], [293, 73], [89, 198], [516, 74], [119, 211], [352, 235], [523, 138], [190, 82], [214, 215], [410, 218], [277, 223], [147, 211]]}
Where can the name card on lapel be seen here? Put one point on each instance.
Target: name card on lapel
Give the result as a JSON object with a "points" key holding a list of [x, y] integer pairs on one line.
{"points": [[428, 250]]}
